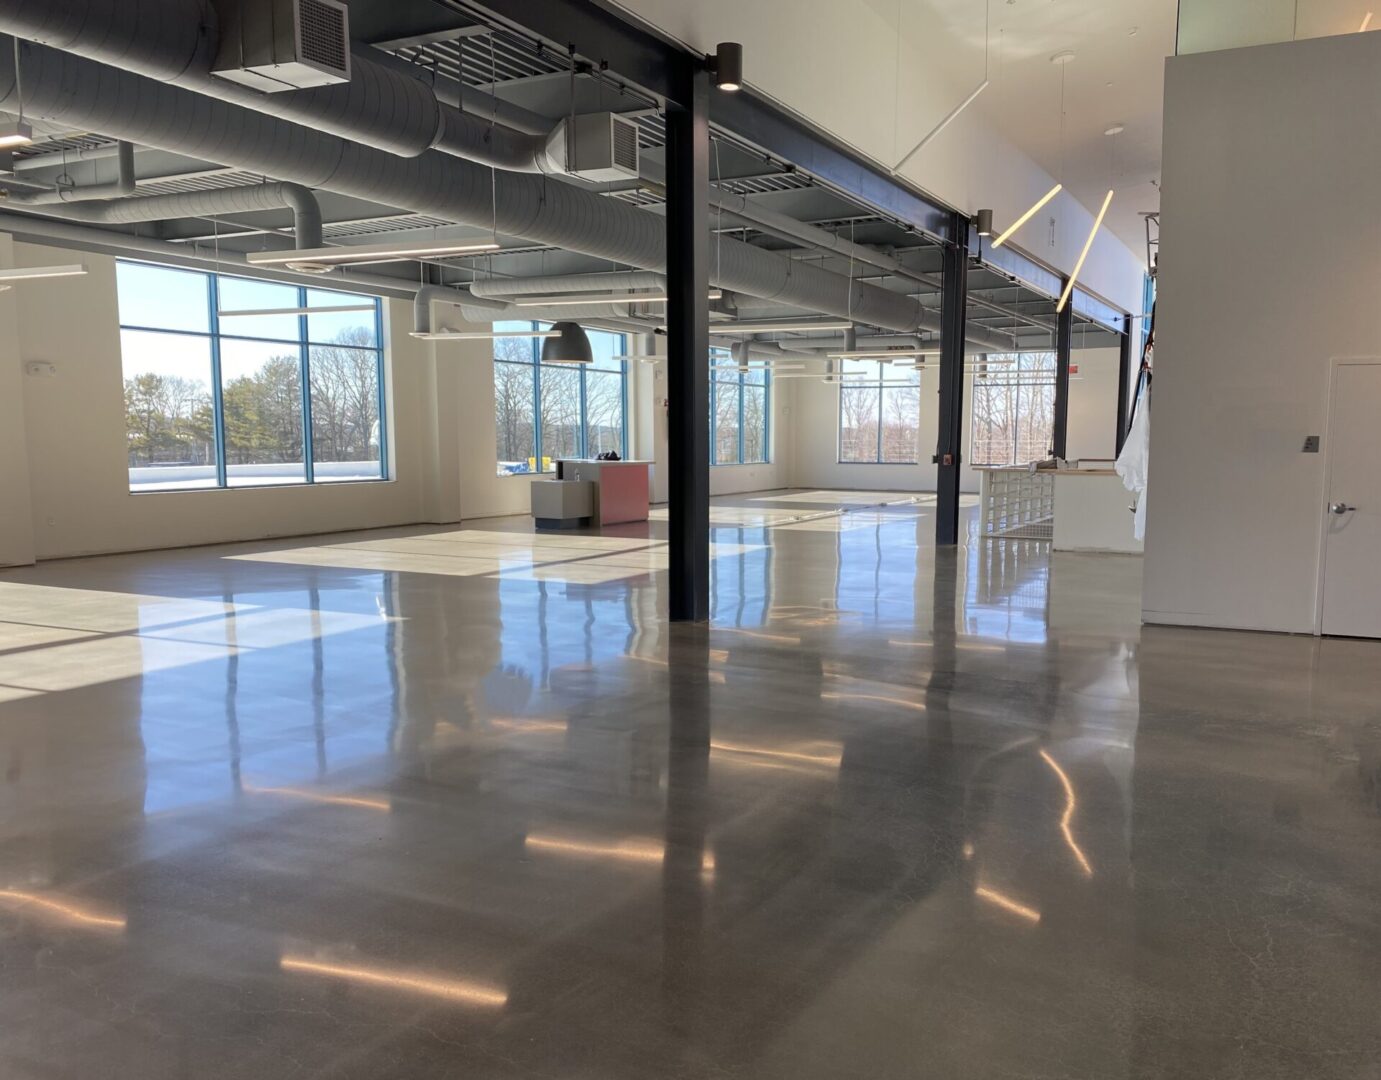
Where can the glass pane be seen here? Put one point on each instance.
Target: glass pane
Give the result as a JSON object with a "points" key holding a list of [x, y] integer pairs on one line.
{"points": [[513, 414], [726, 422], [345, 413], [605, 347], [994, 421], [901, 422], [754, 423], [261, 401], [342, 327], [156, 296], [515, 350], [860, 369], [169, 416], [603, 412], [858, 423], [1035, 418], [560, 413], [242, 294]]}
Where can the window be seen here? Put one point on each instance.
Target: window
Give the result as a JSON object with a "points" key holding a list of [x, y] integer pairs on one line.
{"points": [[1013, 408], [215, 399], [547, 411], [879, 413], [739, 412]]}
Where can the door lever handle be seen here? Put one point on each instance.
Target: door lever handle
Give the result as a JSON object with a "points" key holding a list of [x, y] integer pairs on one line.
{"points": [[1340, 508]]}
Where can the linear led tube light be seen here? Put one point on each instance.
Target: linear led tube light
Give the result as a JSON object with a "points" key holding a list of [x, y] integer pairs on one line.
{"points": [[298, 310], [599, 298], [1027, 216], [19, 133], [366, 253], [479, 335], [880, 354], [1366, 22], [769, 327], [1069, 285], [949, 117], [24, 273]]}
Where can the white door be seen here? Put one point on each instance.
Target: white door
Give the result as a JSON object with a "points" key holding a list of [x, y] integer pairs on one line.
{"points": [[1352, 535]]}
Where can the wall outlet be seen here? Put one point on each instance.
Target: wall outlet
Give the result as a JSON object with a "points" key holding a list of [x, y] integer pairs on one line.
{"points": [[41, 369]]}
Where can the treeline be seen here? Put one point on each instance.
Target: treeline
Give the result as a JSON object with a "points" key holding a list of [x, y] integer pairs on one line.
{"points": [[170, 420]]}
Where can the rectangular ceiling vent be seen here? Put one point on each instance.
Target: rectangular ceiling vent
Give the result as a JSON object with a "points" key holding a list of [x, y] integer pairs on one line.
{"points": [[275, 45], [603, 147]]}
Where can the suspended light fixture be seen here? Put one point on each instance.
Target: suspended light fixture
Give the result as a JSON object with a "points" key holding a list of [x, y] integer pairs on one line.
{"points": [[368, 253], [727, 64], [569, 345], [1098, 221], [575, 299], [1002, 239], [478, 335], [298, 310], [782, 326], [740, 354], [26, 273], [15, 134]]}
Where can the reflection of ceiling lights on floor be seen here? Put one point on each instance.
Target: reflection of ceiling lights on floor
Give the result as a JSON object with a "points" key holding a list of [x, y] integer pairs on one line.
{"points": [[647, 852], [64, 911], [358, 801], [1006, 903], [462, 991]]}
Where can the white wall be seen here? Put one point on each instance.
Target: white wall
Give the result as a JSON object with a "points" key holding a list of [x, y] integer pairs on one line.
{"points": [[1092, 426], [16, 524], [64, 475], [1269, 267]]}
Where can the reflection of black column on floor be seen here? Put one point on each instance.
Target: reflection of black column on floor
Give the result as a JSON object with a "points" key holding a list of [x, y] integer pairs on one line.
{"points": [[686, 863]]}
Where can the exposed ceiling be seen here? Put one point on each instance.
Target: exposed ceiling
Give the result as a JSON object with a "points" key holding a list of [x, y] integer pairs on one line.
{"points": [[442, 40]]}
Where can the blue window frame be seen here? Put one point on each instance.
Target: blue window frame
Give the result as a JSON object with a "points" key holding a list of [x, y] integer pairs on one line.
{"points": [[740, 412], [547, 411], [219, 399]]}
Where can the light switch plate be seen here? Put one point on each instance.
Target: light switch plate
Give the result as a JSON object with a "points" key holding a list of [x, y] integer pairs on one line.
{"points": [[1311, 444]]}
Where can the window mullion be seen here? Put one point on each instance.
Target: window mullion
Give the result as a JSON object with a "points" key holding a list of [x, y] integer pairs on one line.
{"points": [[213, 299], [741, 377], [304, 376], [583, 442]]}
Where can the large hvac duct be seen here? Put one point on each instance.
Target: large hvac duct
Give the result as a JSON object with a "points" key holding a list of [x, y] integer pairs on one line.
{"points": [[87, 238], [236, 200], [123, 184], [93, 97], [176, 42]]}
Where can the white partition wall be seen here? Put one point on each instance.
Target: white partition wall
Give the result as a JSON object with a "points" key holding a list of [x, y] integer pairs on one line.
{"points": [[1270, 267]]}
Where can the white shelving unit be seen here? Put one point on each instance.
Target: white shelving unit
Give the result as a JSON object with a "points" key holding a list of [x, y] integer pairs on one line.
{"points": [[1016, 502]]}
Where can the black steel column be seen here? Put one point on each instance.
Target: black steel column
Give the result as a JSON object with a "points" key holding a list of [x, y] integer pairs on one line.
{"points": [[688, 347], [1064, 342], [948, 453], [1124, 381]]}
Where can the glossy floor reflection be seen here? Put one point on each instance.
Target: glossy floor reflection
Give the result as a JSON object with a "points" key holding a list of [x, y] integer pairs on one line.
{"points": [[458, 802]]}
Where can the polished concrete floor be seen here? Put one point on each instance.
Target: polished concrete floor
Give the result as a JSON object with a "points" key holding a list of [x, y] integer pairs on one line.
{"points": [[458, 802]]}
